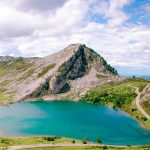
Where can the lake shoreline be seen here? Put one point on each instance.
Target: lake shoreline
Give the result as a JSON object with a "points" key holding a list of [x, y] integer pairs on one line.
{"points": [[2, 135], [139, 121], [89, 143], [75, 100]]}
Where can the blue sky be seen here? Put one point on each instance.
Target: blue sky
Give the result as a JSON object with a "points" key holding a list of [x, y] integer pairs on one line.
{"points": [[119, 30]]}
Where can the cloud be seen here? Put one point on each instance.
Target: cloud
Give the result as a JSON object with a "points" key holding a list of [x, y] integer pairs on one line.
{"points": [[14, 23], [112, 11], [34, 5], [34, 29]]}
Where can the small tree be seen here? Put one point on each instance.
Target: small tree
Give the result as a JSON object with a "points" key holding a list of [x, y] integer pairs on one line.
{"points": [[98, 140], [84, 140]]}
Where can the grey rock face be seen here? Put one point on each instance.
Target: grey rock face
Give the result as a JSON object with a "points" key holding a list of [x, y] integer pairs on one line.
{"points": [[75, 67]]}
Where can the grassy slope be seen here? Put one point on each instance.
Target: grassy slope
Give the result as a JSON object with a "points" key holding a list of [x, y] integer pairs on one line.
{"points": [[4, 96], [11, 69], [34, 140], [146, 106], [18, 64], [119, 95]]}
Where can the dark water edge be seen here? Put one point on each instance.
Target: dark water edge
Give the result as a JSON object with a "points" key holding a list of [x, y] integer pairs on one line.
{"points": [[73, 120]]}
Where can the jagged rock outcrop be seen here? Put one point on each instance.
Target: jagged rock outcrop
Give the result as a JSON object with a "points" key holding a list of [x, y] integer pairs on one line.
{"points": [[75, 67], [67, 74]]}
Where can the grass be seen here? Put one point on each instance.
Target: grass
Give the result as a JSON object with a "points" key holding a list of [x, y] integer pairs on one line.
{"points": [[146, 106], [3, 69], [120, 95], [46, 69], [18, 64], [4, 95], [139, 116], [86, 148], [116, 95], [34, 140], [7, 142], [4, 83], [137, 82], [27, 74], [100, 76]]}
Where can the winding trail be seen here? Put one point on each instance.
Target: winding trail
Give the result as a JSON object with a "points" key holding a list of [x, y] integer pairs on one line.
{"points": [[138, 98]]}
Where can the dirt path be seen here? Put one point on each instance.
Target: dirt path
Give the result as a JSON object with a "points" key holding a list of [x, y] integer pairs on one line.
{"points": [[57, 145], [137, 101]]}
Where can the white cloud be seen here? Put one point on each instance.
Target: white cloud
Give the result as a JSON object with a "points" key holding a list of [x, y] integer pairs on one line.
{"points": [[14, 23], [39, 32], [111, 10]]}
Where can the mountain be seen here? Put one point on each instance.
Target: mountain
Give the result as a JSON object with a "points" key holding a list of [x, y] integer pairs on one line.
{"points": [[68, 74]]}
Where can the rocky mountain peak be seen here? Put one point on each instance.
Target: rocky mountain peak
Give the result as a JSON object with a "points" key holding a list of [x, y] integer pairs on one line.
{"points": [[67, 74]]}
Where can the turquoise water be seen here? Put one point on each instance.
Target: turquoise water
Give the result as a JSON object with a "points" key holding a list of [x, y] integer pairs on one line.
{"points": [[72, 119]]}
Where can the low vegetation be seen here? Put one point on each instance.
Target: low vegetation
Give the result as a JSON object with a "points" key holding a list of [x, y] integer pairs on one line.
{"points": [[8, 142], [103, 61], [137, 82], [120, 95], [34, 140], [46, 69], [85, 140], [113, 94], [88, 148], [146, 106], [27, 74], [98, 141], [19, 64], [16, 65], [5, 82], [4, 96]]}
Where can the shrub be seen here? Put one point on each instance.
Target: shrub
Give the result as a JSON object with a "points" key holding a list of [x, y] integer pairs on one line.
{"points": [[144, 118], [50, 138], [84, 140], [133, 109], [104, 147], [98, 140], [73, 141]]}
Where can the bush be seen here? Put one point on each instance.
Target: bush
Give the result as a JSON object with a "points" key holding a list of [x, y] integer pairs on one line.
{"points": [[73, 141], [84, 140], [50, 138], [104, 147], [98, 140], [144, 118], [133, 109]]}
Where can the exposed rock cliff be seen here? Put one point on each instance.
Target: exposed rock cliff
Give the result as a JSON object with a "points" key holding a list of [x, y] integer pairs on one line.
{"points": [[75, 67], [67, 74]]}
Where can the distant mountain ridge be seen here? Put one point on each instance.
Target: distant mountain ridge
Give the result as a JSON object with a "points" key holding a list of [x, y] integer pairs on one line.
{"points": [[6, 58], [67, 74]]}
